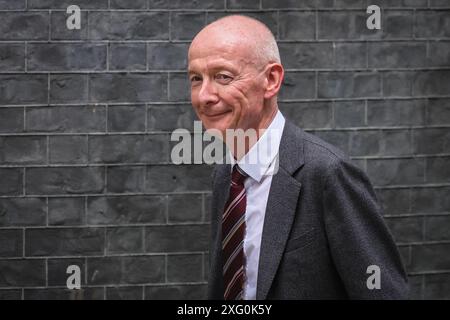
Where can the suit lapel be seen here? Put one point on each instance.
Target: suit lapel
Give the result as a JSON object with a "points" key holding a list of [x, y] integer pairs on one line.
{"points": [[222, 186], [281, 208]]}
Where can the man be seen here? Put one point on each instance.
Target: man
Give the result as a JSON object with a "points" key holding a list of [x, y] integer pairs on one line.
{"points": [[309, 229]]}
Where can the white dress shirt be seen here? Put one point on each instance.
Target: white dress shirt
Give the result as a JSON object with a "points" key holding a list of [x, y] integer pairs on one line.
{"points": [[257, 187]]}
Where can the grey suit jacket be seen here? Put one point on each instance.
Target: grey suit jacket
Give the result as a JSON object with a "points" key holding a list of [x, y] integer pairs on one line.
{"points": [[323, 228]]}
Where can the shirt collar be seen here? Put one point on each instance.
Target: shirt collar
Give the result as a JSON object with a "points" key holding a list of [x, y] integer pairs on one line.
{"points": [[261, 156]]}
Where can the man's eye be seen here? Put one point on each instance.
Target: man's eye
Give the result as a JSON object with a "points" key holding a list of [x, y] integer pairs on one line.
{"points": [[195, 78], [223, 78]]}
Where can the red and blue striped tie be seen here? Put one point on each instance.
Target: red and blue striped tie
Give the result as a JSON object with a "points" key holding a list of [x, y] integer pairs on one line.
{"points": [[233, 232]]}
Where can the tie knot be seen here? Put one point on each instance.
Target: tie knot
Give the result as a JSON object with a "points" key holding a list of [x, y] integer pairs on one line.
{"points": [[238, 176]]}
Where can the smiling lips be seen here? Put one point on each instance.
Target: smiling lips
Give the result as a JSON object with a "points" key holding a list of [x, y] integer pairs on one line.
{"points": [[216, 114]]}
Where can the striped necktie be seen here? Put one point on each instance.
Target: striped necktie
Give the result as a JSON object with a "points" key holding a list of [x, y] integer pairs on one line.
{"points": [[233, 231]]}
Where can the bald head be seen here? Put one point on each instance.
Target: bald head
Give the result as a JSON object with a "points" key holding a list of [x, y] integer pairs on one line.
{"points": [[244, 32]]}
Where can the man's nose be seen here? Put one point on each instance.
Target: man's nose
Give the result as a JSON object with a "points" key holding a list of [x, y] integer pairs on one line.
{"points": [[208, 93]]}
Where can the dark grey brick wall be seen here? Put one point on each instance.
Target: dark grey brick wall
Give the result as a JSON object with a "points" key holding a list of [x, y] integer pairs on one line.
{"points": [[86, 116]]}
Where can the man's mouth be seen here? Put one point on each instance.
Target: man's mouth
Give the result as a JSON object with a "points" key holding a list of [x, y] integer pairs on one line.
{"points": [[216, 114]]}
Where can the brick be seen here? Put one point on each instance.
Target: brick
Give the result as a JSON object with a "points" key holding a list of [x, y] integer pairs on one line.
{"points": [[66, 211], [12, 181], [124, 240], [65, 180], [185, 208], [430, 140], [430, 257], [438, 111], [339, 139], [10, 5], [242, 4], [59, 30], [360, 163], [437, 228], [121, 87], [128, 25], [12, 57], [298, 85], [396, 171], [68, 88], [415, 287], [269, 18], [398, 84], [24, 25], [350, 4], [180, 4], [170, 117], [287, 4], [126, 270], [438, 3], [124, 293], [126, 118], [438, 54], [349, 114], [386, 113], [64, 242], [206, 265], [66, 57], [401, 3], [394, 201], [22, 212], [186, 25], [180, 87], [126, 209], [406, 229], [437, 169], [11, 120], [23, 150], [395, 143], [25, 88], [308, 114], [128, 4], [398, 24], [124, 179], [397, 55], [350, 55], [184, 268], [10, 294], [207, 207], [91, 293], [432, 24], [128, 148], [431, 83], [297, 25], [16, 273], [70, 119], [11, 243], [63, 4], [167, 56], [364, 143], [68, 149], [430, 200], [306, 55], [127, 56], [437, 286], [345, 25], [348, 84], [181, 238], [185, 292], [174, 178], [57, 270]]}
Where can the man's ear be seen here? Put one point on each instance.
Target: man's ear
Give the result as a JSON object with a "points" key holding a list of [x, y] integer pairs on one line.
{"points": [[274, 78]]}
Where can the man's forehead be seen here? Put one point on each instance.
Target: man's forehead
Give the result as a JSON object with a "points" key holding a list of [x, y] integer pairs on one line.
{"points": [[215, 62], [215, 52]]}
